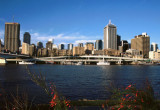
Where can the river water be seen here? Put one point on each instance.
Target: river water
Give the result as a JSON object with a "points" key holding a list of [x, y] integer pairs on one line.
{"points": [[76, 82]]}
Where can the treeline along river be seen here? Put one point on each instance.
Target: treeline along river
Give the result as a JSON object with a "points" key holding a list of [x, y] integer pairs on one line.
{"points": [[76, 82]]}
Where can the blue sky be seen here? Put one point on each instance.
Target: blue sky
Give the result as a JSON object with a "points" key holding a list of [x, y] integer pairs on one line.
{"points": [[74, 21]]}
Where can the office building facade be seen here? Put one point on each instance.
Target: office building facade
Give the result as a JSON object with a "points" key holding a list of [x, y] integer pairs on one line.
{"points": [[118, 41], [61, 47], [49, 45], [141, 43], [110, 36], [80, 44], [25, 48], [78, 51], [12, 37], [70, 46], [32, 50], [39, 45], [154, 47], [98, 45], [27, 38]]}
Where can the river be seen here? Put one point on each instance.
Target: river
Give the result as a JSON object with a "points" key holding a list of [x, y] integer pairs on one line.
{"points": [[76, 82]]}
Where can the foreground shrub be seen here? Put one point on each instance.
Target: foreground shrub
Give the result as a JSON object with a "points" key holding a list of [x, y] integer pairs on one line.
{"points": [[57, 102], [131, 98]]}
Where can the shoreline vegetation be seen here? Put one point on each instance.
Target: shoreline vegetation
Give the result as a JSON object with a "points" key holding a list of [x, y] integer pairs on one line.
{"points": [[124, 98]]}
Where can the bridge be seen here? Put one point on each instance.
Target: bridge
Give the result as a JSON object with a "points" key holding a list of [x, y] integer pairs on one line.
{"points": [[86, 59]]}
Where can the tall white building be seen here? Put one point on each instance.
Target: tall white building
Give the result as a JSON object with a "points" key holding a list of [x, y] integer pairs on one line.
{"points": [[154, 47], [110, 36], [70, 46]]}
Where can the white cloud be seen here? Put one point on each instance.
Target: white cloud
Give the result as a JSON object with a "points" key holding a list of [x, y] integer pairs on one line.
{"points": [[35, 34], [2, 36], [64, 38], [2, 41]]}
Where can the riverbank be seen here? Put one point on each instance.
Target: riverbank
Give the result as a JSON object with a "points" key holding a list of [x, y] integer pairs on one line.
{"points": [[83, 105]]}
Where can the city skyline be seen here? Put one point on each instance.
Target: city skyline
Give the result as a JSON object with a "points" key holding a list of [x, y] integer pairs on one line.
{"points": [[83, 24]]}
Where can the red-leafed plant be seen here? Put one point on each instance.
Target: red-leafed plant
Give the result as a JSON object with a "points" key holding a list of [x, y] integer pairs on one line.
{"points": [[131, 98]]}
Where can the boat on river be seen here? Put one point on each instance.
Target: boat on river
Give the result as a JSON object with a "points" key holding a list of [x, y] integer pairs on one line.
{"points": [[103, 63], [26, 63], [79, 63], [3, 61]]}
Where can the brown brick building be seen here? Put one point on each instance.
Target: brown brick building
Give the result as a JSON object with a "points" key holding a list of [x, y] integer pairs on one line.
{"points": [[141, 43], [78, 51]]}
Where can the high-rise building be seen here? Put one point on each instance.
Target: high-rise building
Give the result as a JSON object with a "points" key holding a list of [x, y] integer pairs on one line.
{"points": [[39, 45], [32, 50], [70, 46], [110, 36], [27, 38], [51, 40], [61, 47], [124, 46], [141, 43], [25, 48], [98, 45], [12, 39], [80, 44], [78, 51], [154, 47], [89, 46], [54, 46], [49, 45], [118, 41]]}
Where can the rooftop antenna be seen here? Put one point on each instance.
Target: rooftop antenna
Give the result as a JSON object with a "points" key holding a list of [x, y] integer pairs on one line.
{"points": [[13, 19], [109, 21]]}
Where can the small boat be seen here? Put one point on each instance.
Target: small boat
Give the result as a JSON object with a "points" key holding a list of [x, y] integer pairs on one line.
{"points": [[103, 63], [3, 61], [26, 63], [79, 63]]}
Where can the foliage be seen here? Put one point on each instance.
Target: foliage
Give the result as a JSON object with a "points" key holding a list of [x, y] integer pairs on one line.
{"points": [[15, 101], [131, 98], [57, 102]]}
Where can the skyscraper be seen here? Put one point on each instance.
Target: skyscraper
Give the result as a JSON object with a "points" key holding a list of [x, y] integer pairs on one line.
{"points": [[118, 41], [141, 43], [39, 45], [110, 36], [98, 45], [25, 48], [12, 40], [70, 46], [80, 44], [32, 50], [49, 45], [154, 47], [27, 38], [89, 46], [124, 45], [61, 47]]}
